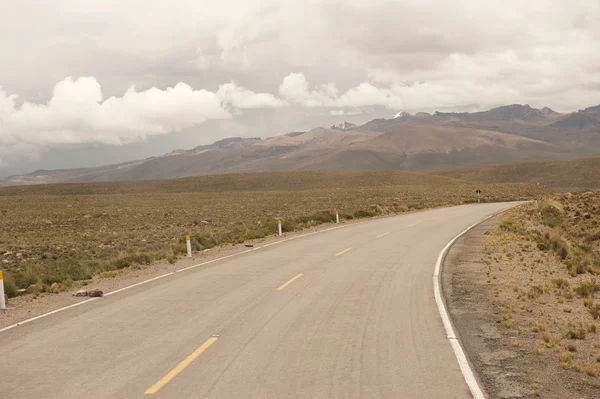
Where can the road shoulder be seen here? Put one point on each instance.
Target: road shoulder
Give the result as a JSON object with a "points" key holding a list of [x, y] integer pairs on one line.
{"points": [[502, 332]]}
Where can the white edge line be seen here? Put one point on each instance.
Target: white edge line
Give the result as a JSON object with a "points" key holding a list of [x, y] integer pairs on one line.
{"points": [[465, 367], [174, 272], [47, 314]]}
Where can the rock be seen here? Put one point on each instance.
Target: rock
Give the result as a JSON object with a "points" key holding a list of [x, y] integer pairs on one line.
{"points": [[249, 245], [87, 216], [205, 222], [587, 215], [7, 253], [21, 291], [69, 206], [95, 293], [35, 288], [54, 287], [81, 293]]}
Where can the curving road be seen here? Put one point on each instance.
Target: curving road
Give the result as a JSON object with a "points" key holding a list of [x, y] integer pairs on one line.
{"points": [[347, 313]]}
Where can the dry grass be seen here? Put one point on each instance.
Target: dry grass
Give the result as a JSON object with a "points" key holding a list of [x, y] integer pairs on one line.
{"points": [[552, 249], [562, 175], [69, 232]]}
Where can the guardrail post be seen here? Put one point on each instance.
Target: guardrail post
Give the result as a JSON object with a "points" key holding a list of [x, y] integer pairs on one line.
{"points": [[189, 246], [337, 217], [279, 227], [2, 301]]}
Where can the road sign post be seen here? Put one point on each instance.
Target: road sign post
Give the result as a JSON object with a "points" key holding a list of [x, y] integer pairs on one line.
{"points": [[189, 246], [2, 301]]}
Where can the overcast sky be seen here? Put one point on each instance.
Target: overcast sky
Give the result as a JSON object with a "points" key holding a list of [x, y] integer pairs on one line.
{"points": [[85, 83]]}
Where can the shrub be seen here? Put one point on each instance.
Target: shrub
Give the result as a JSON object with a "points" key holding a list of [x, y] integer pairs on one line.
{"points": [[363, 213], [587, 288], [10, 288], [552, 213], [576, 334]]}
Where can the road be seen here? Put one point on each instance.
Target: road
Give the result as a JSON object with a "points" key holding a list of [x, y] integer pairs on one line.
{"points": [[347, 313]]}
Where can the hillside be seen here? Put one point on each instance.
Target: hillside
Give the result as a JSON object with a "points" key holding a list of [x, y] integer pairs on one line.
{"points": [[566, 174], [417, 142]]}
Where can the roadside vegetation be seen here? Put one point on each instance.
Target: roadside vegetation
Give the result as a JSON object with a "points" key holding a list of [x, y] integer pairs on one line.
{"points": [[542, 264], [56, 236]]}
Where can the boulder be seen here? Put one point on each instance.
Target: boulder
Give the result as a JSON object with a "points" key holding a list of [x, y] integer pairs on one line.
{"points": [[35, 288], [54, 287], [95, 293], [81, 293]]}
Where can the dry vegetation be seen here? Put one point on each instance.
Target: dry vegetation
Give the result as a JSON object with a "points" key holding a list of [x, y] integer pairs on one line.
{"points": [[543, 269], [67, 233], [570, 174]]}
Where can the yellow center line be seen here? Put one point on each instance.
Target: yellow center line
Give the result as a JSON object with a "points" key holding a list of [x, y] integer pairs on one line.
{"points": [[181, 366], [290, 281], [343, 252], [383, 235]]}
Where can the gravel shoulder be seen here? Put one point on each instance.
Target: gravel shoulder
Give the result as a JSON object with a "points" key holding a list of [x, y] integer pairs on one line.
{"points": [[515, 341]]}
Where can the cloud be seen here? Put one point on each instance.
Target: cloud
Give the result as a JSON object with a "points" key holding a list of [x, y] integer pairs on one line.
{"points": [[342, 112], [78, 113], [348, 55], [238, 97]]}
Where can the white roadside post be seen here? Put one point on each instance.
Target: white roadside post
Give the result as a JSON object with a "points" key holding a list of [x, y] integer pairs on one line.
{"points": [[478, 194], [2, 301], [279, 227], [189, 246], [337, 217]]}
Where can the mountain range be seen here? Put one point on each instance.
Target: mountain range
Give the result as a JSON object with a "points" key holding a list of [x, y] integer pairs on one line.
{"points": [[418, 142]]}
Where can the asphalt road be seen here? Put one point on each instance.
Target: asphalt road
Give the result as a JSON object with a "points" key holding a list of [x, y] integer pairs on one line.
{"points": [[348, 313]]}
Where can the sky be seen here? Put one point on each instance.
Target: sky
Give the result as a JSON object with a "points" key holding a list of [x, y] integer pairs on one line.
{"points": [[85, 83]]}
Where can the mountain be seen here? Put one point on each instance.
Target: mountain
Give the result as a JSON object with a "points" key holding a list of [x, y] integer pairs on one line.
{"points": [[418, 142], [588, 118], [344, 126]]}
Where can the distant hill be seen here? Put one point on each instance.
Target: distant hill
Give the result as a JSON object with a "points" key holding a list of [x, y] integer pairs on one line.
{"points": [[568, 174], [407, 142]]}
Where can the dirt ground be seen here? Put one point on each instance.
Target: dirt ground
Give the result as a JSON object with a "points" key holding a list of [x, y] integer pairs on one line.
{"points": [[513, 314]]}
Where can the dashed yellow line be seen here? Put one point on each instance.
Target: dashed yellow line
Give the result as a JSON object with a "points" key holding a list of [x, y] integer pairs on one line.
{"points": [[290, 281], [383, 235], [343, 252], [181, 366]]}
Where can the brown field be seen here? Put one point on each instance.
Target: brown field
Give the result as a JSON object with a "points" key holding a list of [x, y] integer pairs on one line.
{"points": [[68, 233], [564, 175], [543, 264]]}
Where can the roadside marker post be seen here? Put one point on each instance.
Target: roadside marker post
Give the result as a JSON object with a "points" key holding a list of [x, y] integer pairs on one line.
{"points": [[478, 194], [2, 301], [279, 227], [189, 246], [337, 217]]}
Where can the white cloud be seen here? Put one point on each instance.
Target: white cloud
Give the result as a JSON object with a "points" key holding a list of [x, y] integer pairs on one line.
{"points": [[78, 113], [342, 112], [357, 54], [233, 95]]}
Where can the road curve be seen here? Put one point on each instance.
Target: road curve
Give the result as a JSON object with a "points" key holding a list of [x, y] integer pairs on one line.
{"points": [[349, 313]]}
